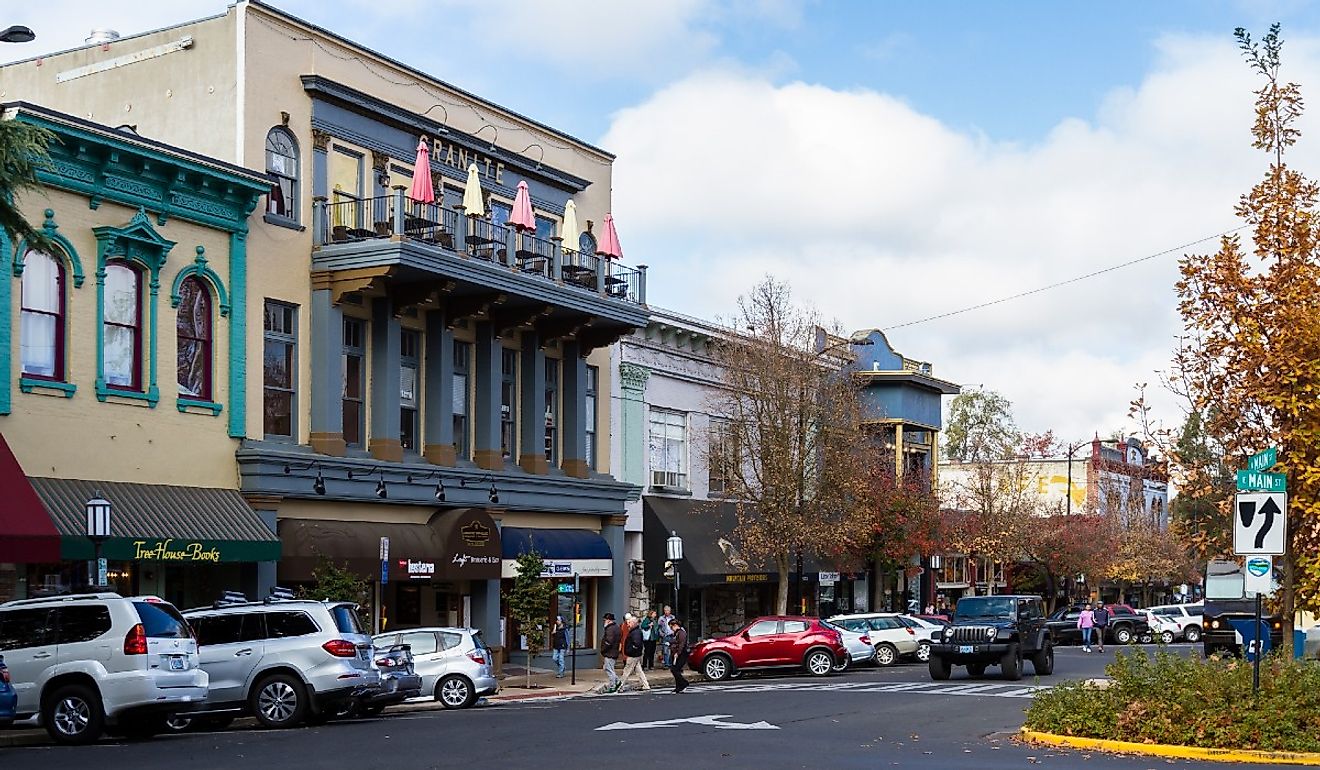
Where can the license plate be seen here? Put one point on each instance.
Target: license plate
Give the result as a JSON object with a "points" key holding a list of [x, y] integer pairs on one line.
{"points": [[965, 648], [178, 664]]}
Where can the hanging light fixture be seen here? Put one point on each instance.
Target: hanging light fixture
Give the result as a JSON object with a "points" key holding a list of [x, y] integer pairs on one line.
{"points": [[494, 496], [439, 490], [381, 491], [318, 486]]}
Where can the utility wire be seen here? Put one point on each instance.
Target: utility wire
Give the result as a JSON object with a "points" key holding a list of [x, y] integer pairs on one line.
{"points": [[1066, 282]]}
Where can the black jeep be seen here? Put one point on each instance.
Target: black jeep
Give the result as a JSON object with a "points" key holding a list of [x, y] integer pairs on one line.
{"points": [[994, 631]]}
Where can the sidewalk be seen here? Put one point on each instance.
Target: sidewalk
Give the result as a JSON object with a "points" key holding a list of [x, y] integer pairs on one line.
{"points": [[544, 684]]}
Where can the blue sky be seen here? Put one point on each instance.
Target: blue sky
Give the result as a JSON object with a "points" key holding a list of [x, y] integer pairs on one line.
{"points": [[892, 160]]}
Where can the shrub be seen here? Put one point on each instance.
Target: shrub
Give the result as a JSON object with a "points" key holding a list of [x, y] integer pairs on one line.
{"points": [[1190, 701]]}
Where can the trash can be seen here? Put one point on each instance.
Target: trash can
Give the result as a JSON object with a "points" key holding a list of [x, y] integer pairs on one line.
{"points": [[497, 661], [1299, 643]]}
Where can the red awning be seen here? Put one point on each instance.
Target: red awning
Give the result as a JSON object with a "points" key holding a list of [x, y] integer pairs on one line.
{"points": [[27, 533]]}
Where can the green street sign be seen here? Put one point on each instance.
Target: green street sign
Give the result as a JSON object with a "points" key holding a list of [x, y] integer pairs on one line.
{"points": [[1265, 482], [1262, 461]]}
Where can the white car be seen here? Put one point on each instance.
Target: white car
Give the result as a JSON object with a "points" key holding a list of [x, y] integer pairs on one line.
{"points": [[889, 635], [927, 633], [858, 644], [1186, 616], [1311, 649], [94, 663], [1162, 629]]}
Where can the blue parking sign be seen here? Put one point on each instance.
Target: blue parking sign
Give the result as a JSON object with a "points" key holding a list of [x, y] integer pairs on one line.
{"points": [[384, 572], [1255, 638]]}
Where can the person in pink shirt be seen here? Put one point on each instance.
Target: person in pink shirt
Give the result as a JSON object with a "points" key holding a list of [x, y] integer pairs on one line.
{"points": [[1086, 622]]}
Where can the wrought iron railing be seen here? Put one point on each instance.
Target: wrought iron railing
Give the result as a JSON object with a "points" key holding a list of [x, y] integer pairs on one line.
{"points": [[352, 220]]}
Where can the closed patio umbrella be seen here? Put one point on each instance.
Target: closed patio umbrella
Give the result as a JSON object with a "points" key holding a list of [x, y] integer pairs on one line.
{"points": [[522, 216], [472, 198], [571, 232], [609, 240], [423, 191]]}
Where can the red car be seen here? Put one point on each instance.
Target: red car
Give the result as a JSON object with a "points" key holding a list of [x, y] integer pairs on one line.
{"points": [[770, 642]]}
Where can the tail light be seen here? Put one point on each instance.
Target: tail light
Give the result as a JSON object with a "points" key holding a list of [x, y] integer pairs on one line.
{"points": [[340, 648], [909, 630], [4, 675], [135, 641], [865, 639], [477, 657]]}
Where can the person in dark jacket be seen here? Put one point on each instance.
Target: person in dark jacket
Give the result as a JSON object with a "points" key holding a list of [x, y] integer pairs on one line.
{"points": [[1101, 624], [679, 655], [650, 637], [609, 652], [633, 647], [559, 645]]}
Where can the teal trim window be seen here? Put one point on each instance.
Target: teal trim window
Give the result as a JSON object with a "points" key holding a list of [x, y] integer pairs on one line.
{"points": [[355, 388], [593, 386], [121, 333], [280, 367], [193, 330], [462, 400], [42, 318]]}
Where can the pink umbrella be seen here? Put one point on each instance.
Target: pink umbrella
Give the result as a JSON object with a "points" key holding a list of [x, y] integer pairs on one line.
{"points": [[522, 216], [609, 241], [422, 190]]}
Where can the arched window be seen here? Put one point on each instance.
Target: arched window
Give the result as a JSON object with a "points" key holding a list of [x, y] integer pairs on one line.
{"points": [[282, 166], [122, 327], [42, 320], [193, 328], [587, 244]]}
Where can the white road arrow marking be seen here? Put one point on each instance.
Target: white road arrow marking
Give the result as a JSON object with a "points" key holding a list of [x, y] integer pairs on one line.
{"points": [[710, 720]]}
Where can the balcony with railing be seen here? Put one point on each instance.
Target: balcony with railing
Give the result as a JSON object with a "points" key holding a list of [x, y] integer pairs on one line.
{"points": [[365, 232]]}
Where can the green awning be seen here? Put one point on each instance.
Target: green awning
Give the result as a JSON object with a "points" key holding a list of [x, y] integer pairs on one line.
{"points": [[159, 523]]}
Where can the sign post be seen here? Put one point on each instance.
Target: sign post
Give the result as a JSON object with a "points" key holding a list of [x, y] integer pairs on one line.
{"points": [[577, 586], [380, 585], [1260, 530]]}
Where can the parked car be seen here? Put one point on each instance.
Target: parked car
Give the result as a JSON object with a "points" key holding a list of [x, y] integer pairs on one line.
{"points": [[1311, 648], [399, 680], [1187, 616], [454, 664], [892, 638], [8, 698], [927, 631], [284, 661], [994, 630], [787, 641], [859, 648], [100, 663], [1123, 627], [1162, 630]]}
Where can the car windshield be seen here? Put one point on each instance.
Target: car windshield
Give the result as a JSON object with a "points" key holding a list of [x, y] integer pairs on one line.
{"points": [[346, 619], [974, 607]]}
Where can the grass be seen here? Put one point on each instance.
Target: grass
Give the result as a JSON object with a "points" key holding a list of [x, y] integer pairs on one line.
{"points": [[1173, 699]]}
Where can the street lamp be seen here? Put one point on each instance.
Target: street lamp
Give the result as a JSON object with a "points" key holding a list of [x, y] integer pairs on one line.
{"points": [[674, 553], [1072, 448], [17, 34], [98, 531]]}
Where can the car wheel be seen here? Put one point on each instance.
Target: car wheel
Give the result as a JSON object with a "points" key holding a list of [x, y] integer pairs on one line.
{"points": [[455, 692], [1192, 634], [1011, 664], [716, 668], [1147, 638], [938, 667], [976, 669], [1166, 637], [819, 662], [1123, 635], [923, 652], [843, 664], [279, 701], [885, 654], [177, 723], [72, 715], [1043, 661]]}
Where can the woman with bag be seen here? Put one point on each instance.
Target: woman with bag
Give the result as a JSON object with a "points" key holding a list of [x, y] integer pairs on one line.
{"points": [[650, 635]]}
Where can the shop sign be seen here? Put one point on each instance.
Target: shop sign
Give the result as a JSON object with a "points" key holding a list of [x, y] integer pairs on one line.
{"points": [[174, 550], [564, 588], [459, 157], [828, 578], [560, 569], [471, 546], [747, 578], [417, 570]]}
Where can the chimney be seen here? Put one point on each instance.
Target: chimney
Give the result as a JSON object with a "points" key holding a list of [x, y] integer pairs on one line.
{"points": [[102, 36]]}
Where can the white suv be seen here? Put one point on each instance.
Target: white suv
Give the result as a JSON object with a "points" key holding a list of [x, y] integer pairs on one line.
{"points": [[1187, 616], [94, 663]]}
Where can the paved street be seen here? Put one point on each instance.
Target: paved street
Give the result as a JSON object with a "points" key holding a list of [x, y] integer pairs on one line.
{"points": [[892, 717]]}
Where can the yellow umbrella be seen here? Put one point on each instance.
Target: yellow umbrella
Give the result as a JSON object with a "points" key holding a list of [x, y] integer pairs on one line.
{"points": [[571, 231], [472, 198]]}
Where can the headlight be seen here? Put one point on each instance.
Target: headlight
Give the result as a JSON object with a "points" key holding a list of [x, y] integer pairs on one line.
{"points": [[948, 631], [990, 633], [1278, 624], [1214, 624]]}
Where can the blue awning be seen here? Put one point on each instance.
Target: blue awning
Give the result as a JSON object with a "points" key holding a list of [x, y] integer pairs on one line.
{"points": [[554, 543]]}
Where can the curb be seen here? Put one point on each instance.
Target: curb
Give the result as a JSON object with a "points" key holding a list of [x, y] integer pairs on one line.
{"points": [[1174, 752], [11, 738]]}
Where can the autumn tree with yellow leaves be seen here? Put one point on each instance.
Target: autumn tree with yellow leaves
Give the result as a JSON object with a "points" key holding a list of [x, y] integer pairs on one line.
{"points": [[1249, 362]]}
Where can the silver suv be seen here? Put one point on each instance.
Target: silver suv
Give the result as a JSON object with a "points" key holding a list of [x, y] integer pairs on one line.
{"points": [[285, 662], [94, 663], [454, 663]]}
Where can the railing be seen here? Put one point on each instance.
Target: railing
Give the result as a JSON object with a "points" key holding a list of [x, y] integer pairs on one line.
{"points": [[353, 220]]}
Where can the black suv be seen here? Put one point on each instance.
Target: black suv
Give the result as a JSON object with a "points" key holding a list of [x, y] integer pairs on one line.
{"points": [[994, 631]]}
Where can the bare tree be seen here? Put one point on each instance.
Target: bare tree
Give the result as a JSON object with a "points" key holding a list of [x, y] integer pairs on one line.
{"points": [[792, 445]]}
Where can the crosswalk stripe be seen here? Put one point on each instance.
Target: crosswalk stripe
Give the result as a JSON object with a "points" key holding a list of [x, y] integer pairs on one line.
{"points": [[918, 688]]}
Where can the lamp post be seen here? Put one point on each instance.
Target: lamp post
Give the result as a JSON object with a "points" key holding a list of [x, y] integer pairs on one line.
{"points": [[17, 34], [674, 553], [1072, 448], [98, 531]]}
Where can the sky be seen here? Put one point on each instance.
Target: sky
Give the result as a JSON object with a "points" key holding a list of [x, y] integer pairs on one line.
{"points": [[892, 161]]}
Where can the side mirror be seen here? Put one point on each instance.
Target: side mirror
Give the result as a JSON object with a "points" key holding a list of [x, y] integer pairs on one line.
{"points": [[747, 636]]}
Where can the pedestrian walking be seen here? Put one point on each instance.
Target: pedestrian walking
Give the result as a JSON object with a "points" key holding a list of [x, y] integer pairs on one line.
{"points": [[559, 645], [1101, 616], [633, 648], [609, 653], [650, 637], [1086, 622], [666, 635], [679, 653]]}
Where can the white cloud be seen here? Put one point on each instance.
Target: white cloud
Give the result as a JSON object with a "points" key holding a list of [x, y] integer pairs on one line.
{"points": [[879, 214]]}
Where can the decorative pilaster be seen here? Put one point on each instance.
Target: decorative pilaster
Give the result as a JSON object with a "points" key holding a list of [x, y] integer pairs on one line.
{"points": [[531, 422], [383, 441], [632, 381], [438, 397], [487, 375], [573, 426], [327, 322]]}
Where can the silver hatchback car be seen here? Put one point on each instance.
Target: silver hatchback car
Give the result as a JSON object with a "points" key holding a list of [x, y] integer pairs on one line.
{"points": [[285, 662], [454, 663]]}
